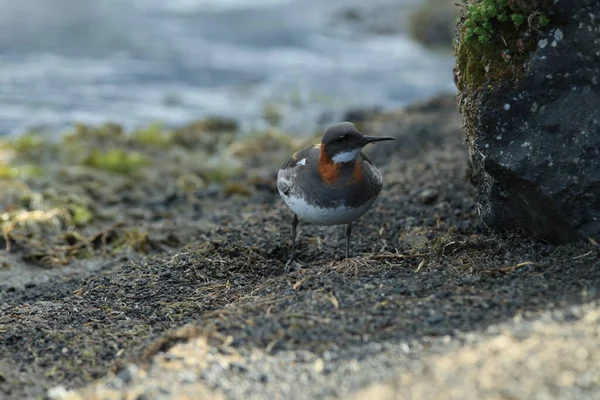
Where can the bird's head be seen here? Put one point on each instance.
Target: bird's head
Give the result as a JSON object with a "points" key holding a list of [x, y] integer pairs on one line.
{"points": [[342, 142]]}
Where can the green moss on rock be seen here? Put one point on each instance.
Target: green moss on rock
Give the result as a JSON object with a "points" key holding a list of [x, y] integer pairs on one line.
{"points": [[494, 39]]}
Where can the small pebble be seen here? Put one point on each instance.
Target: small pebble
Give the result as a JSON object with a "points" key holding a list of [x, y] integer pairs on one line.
{"points": [[319, 365], [428, 196]]}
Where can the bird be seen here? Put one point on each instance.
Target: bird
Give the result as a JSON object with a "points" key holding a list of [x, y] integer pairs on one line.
{"points": [[330, 183]]}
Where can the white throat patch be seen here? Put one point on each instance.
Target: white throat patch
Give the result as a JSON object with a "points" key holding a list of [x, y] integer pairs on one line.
{"points": [[346, 156]]}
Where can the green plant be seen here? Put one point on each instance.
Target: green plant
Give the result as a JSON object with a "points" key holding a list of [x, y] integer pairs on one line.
{"points": [[28, 142], [80, 214], [8, 171], [117, 161], [481, 16], [495, 38], [152, 136]]}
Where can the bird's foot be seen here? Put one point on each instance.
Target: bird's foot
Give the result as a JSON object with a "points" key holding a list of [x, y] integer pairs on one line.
{"points": [[293, 264]]}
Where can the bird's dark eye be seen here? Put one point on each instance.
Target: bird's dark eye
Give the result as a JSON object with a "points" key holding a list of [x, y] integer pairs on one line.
{"points": [[342, 137]]}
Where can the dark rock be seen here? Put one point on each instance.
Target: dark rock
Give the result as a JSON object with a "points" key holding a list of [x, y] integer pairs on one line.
{"points": [[534, 138]]}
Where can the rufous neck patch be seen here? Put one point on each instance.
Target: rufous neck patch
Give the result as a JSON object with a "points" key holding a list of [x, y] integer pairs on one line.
{"points": [[329, 171]]}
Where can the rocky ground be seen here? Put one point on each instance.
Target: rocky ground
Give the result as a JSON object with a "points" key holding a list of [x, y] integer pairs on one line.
{"points": [[161, 275]]}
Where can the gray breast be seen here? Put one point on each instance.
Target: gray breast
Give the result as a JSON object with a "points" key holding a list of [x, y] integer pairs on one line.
{"points": [[308, 184]]}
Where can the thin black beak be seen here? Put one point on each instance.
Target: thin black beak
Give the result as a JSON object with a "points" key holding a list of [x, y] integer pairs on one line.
{"points": [[371, 139]]}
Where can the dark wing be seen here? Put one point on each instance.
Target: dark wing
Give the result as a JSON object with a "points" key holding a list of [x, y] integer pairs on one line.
{"points": [[298, 156], [372, 172], [364, 157], [287, 172]]}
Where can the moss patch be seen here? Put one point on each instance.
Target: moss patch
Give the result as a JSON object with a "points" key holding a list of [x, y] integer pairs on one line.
{"points": [[102, 191], [8, 171], [81, 215], [117, 161], [494, 39], [152, 136], [27, 143], [483, 14]]}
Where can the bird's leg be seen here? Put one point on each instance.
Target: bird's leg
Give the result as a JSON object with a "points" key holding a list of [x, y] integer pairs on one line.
{"points": [[348, 233], [292, 259], [294, 226]]}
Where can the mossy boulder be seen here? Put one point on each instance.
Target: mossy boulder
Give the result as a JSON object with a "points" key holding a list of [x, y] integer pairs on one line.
{"points": [[528, 76]]}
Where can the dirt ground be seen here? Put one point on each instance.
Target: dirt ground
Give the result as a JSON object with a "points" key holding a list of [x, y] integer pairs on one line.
{"points": [[198, 306]]}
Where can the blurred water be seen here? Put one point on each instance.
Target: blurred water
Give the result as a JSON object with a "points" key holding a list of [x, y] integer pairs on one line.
{"points": [[138, 61]]}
